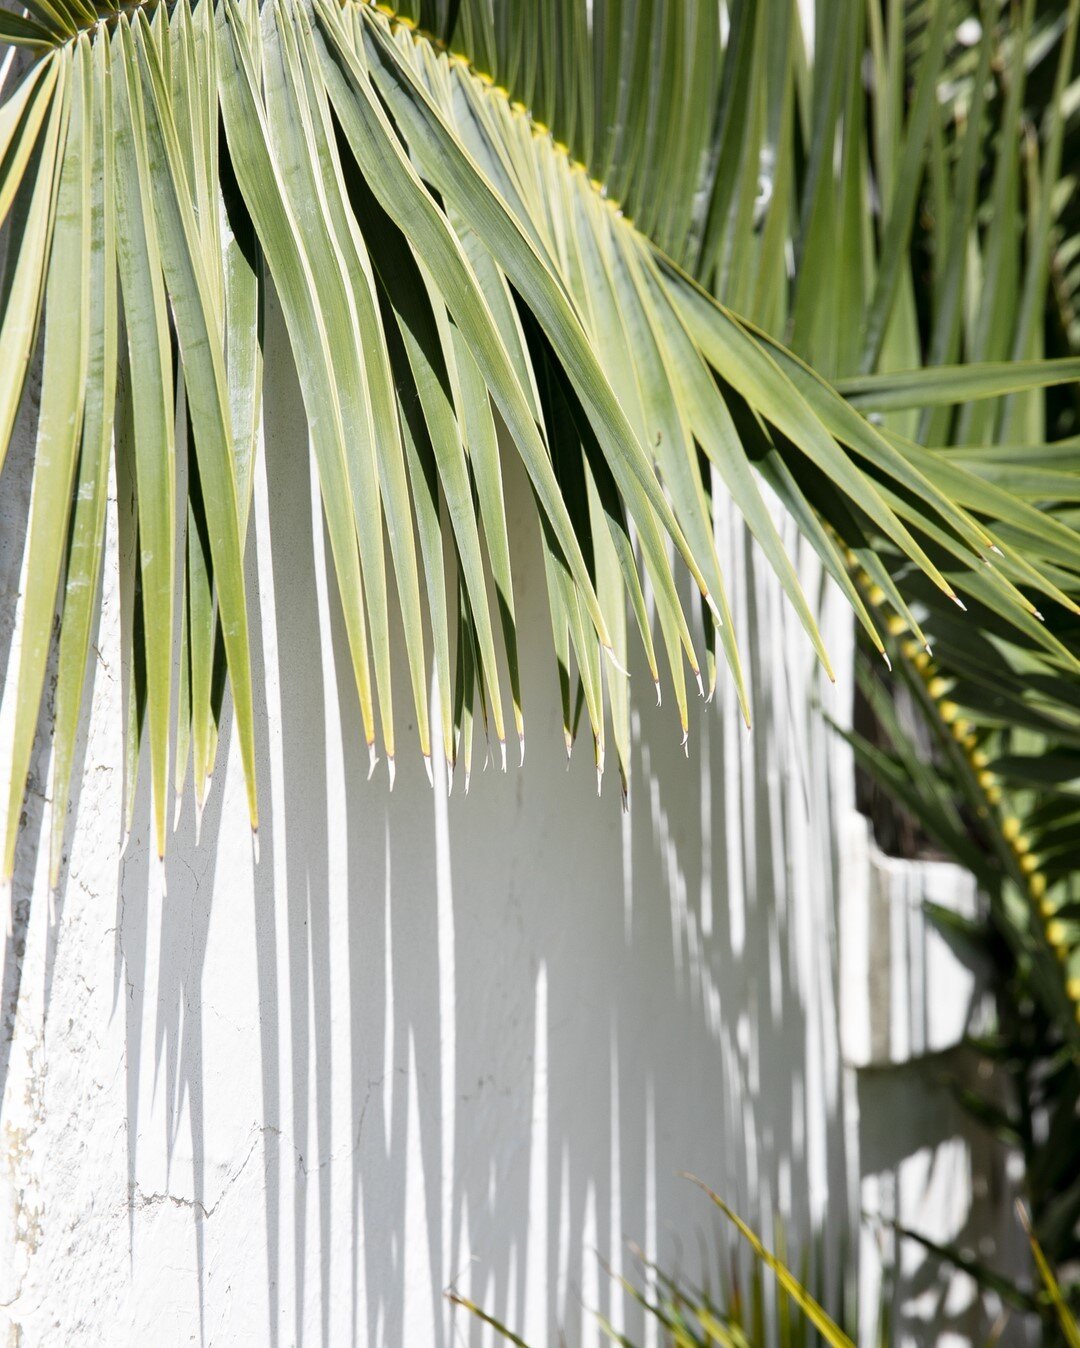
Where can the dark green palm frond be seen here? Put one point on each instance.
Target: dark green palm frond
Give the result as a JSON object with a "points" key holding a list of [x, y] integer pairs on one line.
{"points": [[447, 266], [1004, 790], [998, 698], [1001, 796], [1005, 712], [1000, 695]]}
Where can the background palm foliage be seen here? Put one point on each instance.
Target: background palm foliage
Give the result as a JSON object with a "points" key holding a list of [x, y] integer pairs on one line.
{"points": [[779, 1308], [980, 747], [773, 1306], [446, 265], [976, 757]]}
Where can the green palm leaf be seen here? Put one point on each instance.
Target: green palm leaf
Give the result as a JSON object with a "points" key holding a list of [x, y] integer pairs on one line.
{"points": [[446, 263]]}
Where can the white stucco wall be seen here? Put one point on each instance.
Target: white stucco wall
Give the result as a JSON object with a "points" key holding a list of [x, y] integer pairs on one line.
{"points": [[422, 1043]]}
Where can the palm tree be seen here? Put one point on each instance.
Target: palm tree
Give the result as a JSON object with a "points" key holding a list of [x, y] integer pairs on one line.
{"points": [[450, 268]]}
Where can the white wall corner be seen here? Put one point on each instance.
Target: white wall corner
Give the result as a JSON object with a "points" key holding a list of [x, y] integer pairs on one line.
{"points": [[905, 990]]}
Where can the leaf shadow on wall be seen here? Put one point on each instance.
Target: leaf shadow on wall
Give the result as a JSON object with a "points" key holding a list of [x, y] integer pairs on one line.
{"points": [[470, 1043]]}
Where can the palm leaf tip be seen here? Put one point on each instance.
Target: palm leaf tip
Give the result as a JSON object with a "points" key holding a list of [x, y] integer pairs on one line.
{"points": [[443, 265]]}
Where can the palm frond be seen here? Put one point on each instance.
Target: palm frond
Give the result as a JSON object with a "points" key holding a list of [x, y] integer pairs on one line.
{"points": [[447, 266], [1001, 796]]}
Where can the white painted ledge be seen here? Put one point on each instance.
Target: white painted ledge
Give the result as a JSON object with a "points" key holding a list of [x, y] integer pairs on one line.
{"points": [[908, 999], [905, 991]]}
